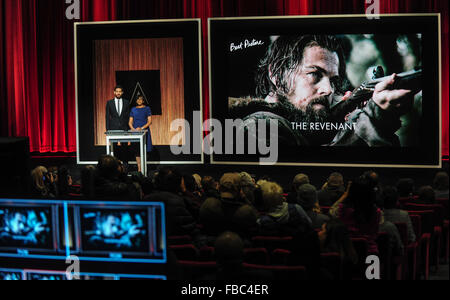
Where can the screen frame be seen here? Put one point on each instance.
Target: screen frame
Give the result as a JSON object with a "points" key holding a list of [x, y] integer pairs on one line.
{"points": [[196, 90], [79, 209], [66, 204], [54, 227], [432, 157]]}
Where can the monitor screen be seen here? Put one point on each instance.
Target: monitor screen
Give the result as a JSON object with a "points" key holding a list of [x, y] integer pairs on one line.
{"points": [[46, 276], [9, 275], [27, 227], [107, 230]]}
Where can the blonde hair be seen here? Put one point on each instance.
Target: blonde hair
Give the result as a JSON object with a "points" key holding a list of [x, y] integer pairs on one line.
{"points": [[272, 194], [37, 175]]}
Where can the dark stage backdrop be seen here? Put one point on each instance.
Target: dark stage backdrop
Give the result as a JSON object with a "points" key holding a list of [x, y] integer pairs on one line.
{"points": [[163, 54], [37, 95]]}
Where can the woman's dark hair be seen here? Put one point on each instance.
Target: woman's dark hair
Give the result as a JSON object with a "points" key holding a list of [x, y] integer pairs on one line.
{"points": [[108, 166], [284, 56], [258, 200], [63, 181], [189, 183], [168, 180], [88, 182], [361, 198], [338, 239], [405, 187], [139, 97], [389, 196], [208, 183], [426, 195], [440, 182], [147, 185]]}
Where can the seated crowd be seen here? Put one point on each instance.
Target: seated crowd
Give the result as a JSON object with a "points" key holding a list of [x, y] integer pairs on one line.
{"points": [[227, 214]]}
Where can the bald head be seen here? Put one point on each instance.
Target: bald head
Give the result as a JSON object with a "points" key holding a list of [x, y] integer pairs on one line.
{"points": [[245, 217], [229, 248]]}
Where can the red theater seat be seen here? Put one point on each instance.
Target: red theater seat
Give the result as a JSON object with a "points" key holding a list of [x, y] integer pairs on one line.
{"points": [[257, 256], [362, 249], [280, 257], [437, 224], [207, 254], [423, 240], [290, 273], [185, 252], [273, 242], [332, 263], [409, 259], [192, 270], [179, 240]]}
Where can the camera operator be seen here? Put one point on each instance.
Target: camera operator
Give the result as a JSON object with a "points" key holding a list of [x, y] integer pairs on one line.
{"points": [[113, 183], [44, 183]]}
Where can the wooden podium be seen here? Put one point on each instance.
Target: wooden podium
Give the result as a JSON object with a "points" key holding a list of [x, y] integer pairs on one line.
{"points": [[121, 136]]}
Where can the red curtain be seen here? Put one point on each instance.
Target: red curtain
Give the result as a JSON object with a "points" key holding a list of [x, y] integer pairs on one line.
{"points": [[37, 95]]}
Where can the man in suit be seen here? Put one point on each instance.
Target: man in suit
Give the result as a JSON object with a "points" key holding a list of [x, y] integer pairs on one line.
{"points": [[117, 117]]}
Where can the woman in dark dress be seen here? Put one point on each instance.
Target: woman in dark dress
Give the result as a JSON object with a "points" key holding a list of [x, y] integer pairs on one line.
{"points": [[141, 119]]}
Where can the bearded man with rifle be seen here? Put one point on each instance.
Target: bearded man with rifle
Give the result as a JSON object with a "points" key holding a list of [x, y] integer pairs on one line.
{"points": [[302, 80]]}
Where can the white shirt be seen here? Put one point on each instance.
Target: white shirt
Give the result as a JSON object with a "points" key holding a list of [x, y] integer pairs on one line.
{"points": [[119, 106]]}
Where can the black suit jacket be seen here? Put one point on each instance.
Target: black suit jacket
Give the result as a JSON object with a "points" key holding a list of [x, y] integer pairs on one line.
{"points": [[113, 120]]}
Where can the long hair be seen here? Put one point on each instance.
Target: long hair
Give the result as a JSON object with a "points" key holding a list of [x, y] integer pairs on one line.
{"points": [[272, 195], [338, 240], [38, 177], [361, 198], [285, 55]]}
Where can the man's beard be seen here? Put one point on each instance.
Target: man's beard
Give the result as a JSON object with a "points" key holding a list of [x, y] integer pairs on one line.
{"points": [[311, 115]]}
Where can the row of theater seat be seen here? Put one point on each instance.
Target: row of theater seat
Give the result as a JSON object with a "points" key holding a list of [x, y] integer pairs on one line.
{"points": [[430, 225]]}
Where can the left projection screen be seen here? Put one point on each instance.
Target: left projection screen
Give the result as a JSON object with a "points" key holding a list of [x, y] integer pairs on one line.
{"points": [[159, 60]]}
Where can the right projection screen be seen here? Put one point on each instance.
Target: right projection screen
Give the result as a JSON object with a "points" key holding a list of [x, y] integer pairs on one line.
{"points": [[326, 90]]}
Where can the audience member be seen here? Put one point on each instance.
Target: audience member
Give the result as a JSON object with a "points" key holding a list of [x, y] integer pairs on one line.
{"points": [[212, 220], [44, 184], [374, 181], [191, 195], [198, 181], [88, 175], [335, 238], [332, 190], [307, 199], [395, 240], [111, 181], [298, 181], [229, 251], [357, 210], [394, 214], [426, 195], [440, 185], [168, 187], [231, 194], [210, 188], [248, 187], [64, 182], [405, 187], [244, 223], [280, 218]]}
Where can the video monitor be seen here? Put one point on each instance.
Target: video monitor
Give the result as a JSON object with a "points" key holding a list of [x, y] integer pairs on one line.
{"points": [[114, 230], [326, 90], [10, 275], [45, 275], [121, 231], [27, 228]]}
